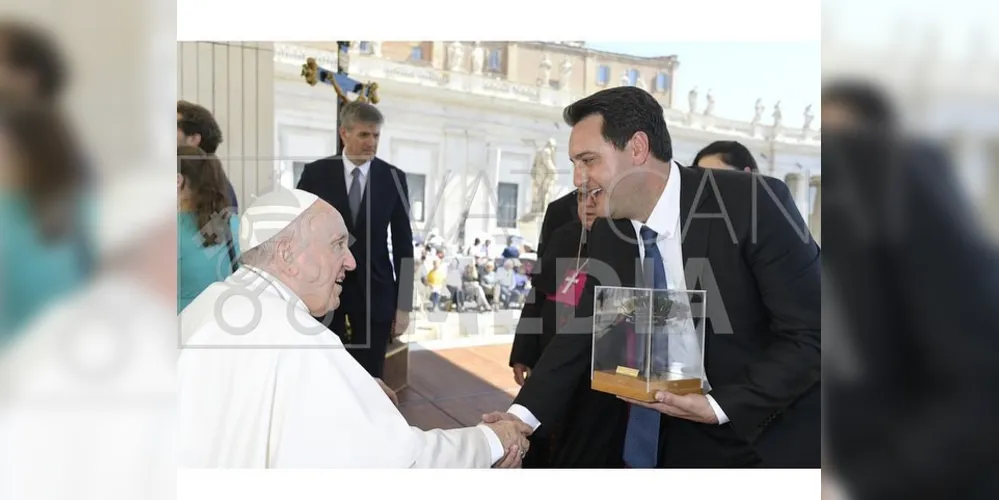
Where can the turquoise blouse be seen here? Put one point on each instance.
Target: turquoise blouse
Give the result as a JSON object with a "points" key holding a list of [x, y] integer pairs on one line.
{"points": [[199, 266], [35, 272]]}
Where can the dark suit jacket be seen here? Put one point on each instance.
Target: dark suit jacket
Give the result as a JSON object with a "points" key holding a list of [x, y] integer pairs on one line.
{"points": [[527, 346], [591, 435], [763, 354], [910, 373], [529, 340], [558, 213], [373, 287]]}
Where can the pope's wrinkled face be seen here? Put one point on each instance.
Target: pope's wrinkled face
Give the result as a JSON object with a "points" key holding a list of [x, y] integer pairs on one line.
{"points": [[602, 171], [322, 259]]}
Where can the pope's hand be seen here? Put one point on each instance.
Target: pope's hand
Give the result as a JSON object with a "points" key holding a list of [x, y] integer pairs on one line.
{"points": [[401, 323], [513, 436], [693, 407], [388, 391], [512, 459]]}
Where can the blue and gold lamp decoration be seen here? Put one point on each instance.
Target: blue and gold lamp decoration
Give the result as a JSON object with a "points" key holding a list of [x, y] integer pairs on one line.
{"points": [[343, 84]]}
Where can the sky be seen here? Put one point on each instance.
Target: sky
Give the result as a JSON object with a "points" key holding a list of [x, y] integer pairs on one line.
{"points": [[739, 73]]}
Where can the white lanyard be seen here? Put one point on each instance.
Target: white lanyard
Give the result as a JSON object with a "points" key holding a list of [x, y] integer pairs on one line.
{"points": [[571, 280]]}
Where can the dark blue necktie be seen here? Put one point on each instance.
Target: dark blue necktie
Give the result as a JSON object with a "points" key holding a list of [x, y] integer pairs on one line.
{"points": [[641, 441]]}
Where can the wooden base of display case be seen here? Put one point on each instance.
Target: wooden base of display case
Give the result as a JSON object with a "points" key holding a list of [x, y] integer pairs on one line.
{"points": [[639, 388]]}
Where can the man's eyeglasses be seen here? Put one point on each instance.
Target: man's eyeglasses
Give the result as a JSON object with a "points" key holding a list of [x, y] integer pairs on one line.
{"points": [[584, 195]]}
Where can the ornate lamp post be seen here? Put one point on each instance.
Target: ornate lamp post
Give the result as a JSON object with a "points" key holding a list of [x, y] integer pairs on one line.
{"points": [[341, 82]]}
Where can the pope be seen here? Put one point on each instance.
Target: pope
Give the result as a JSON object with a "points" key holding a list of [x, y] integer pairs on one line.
{"points": [[263, 384]]}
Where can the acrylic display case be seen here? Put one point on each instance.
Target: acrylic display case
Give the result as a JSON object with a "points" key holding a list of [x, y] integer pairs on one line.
{"points": [[646, 340]]}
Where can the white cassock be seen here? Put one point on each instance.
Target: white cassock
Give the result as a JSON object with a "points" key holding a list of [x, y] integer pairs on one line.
{"points": [[262, 384], [87, 398]]}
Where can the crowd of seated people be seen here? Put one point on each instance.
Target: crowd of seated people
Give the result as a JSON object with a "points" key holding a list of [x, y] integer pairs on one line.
{"points": [[476, 278]]}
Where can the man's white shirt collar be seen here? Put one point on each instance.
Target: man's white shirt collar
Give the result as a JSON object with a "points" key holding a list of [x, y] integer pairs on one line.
{"points": [[665, 216], [349, 166]]}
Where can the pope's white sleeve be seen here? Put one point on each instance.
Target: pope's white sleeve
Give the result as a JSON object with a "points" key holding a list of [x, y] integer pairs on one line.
{"points": [[464, 448]]}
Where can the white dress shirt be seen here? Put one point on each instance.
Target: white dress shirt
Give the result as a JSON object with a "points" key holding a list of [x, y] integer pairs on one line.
{"points": [[348, 169], [665, 221]]}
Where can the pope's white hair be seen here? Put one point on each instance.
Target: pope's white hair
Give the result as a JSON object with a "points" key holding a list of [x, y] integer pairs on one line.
{"points": [[265, 254]]}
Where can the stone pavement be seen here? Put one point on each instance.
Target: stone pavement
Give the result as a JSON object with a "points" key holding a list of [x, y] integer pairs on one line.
{"points": [[451, 388]]}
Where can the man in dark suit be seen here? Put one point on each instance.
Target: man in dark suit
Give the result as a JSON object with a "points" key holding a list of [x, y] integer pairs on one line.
{"points": [[735, 235], [373, 196], [560, 244], [902, 395], [528, 343]]}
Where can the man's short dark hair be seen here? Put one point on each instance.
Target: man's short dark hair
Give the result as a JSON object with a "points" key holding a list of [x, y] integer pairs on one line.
{"points": [[733, 153], [27, 48], [196, 119], [625, 110]]}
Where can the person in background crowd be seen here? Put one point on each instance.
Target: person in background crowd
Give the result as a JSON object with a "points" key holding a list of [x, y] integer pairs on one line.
{"points": [[45, 212], [511, 251], [490, 283], [435, 280], [506, 278], [522, 284], [472, 288], [452, 281], [729, 155], [196, 126], [206, 244], [473, 249]]}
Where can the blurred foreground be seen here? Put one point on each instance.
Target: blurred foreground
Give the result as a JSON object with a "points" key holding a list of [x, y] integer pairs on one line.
{"points": [[87, 263], [911, 160]]}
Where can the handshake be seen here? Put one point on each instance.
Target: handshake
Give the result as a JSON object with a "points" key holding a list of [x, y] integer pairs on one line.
{"points": [[512, 433]]}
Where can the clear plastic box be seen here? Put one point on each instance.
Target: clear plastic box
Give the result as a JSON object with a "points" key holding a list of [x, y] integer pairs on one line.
{"points": [[646, 340]]}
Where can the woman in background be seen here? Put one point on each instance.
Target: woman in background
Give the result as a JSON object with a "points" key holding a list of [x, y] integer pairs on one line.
{"points": [[727, 155], [207, 247], [45, 220]]}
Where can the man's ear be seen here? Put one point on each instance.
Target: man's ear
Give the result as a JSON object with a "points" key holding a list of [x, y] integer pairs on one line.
{"points": [[640, 148], [285, 257]]}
